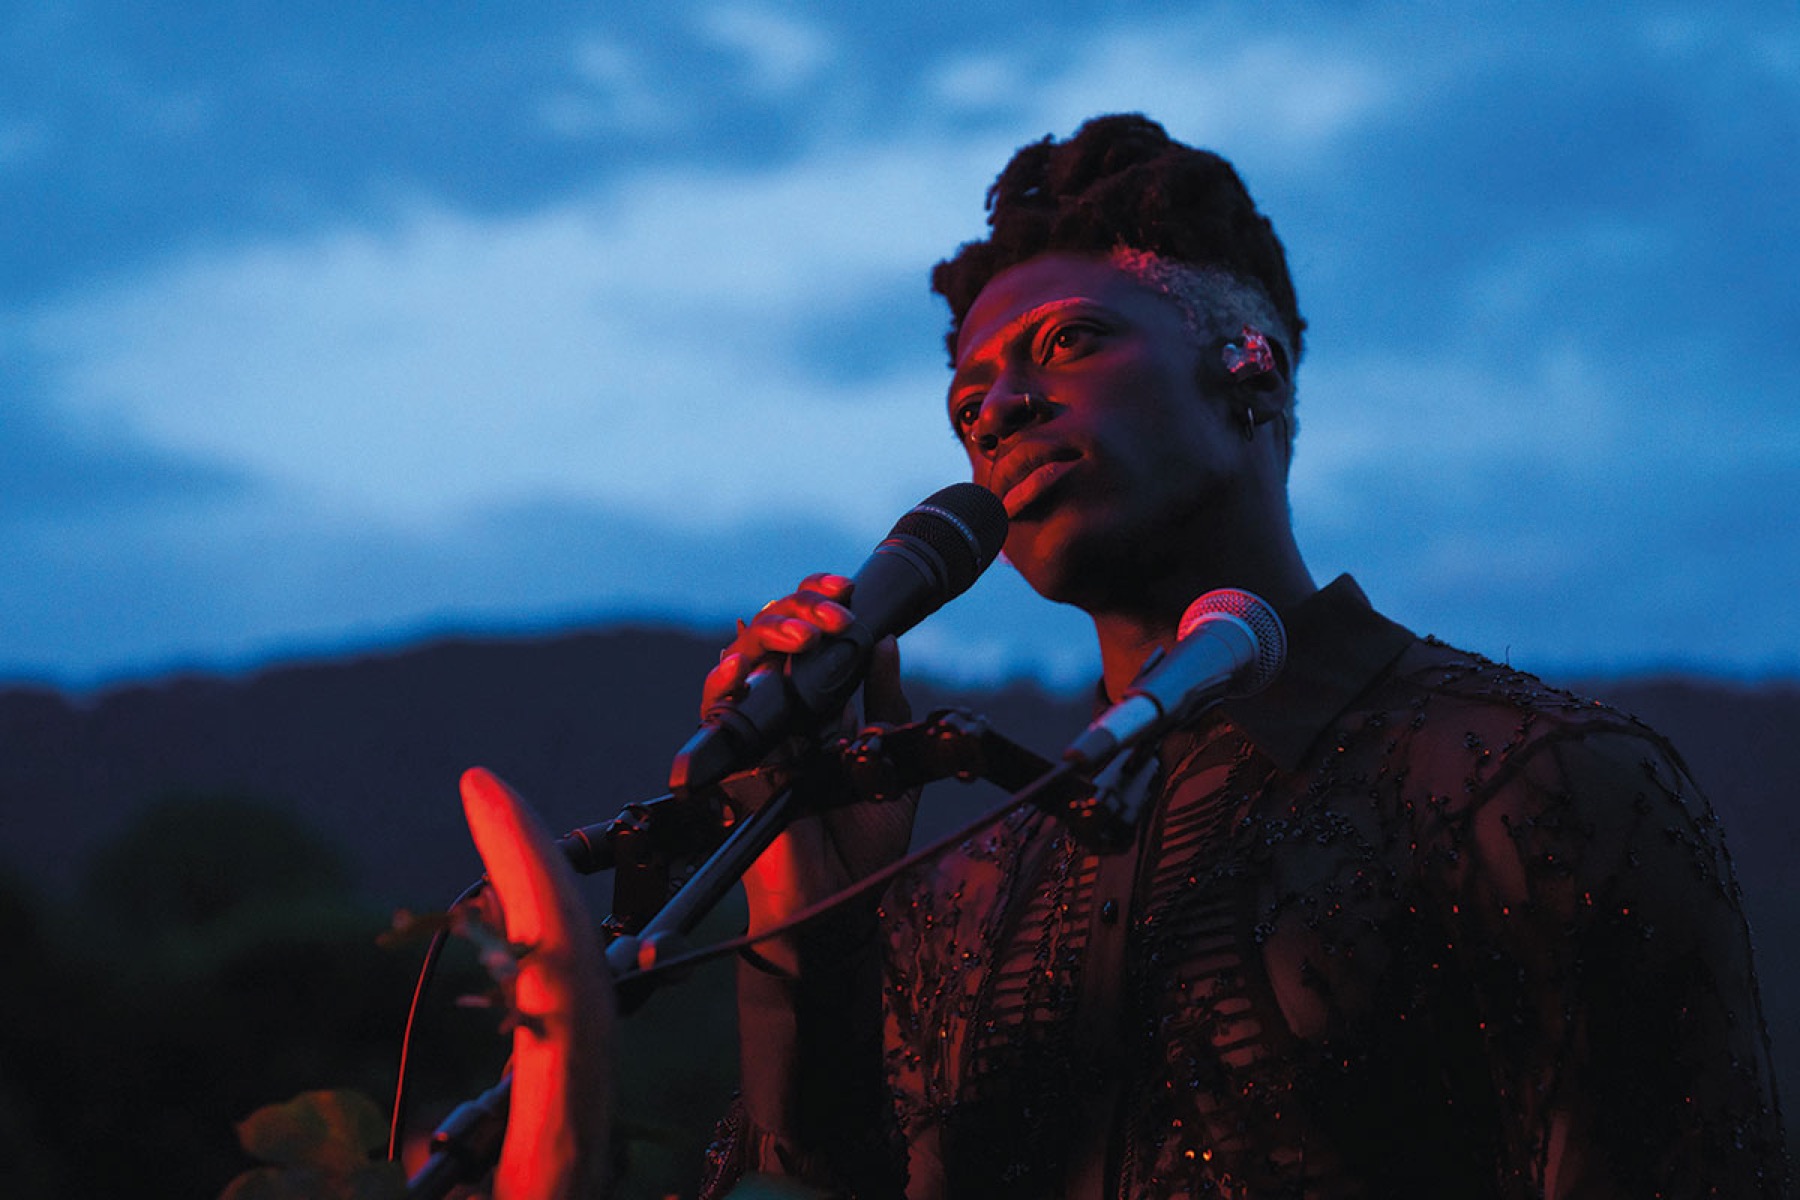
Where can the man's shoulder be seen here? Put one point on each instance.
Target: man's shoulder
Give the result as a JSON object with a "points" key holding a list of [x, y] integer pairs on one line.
{"points": [[1495, 766], [1446, 683], [1480, 723]]}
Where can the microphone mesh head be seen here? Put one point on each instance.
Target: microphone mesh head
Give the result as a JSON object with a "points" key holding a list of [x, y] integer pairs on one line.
{"points": [[1265, 627], [965, 524]]}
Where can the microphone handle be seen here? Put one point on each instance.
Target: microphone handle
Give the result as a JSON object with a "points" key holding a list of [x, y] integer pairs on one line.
{"points": [[901, 584]]}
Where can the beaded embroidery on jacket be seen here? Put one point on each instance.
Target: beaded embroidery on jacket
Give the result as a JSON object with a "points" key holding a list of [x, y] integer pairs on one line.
{"points": [[1400, 969]]}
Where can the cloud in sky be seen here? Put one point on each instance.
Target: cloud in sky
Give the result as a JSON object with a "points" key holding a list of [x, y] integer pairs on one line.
{"points": [[633, 347], [388, 322], [778, 53]]}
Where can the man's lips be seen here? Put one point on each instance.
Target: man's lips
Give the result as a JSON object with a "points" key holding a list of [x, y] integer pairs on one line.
{"points": [[1021, 483]]}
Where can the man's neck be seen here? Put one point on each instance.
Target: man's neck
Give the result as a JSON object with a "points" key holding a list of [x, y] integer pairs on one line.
{"points": [[1127, 636]]}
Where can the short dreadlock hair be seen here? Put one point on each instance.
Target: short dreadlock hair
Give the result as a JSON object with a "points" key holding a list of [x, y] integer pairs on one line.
{"points": [[1121, 183]]}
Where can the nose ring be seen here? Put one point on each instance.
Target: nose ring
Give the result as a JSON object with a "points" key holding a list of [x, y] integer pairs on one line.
{"points": [[1036, 408]]}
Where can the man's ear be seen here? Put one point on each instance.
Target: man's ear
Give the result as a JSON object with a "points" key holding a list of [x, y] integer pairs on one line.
{"points": [[1252, 369]]}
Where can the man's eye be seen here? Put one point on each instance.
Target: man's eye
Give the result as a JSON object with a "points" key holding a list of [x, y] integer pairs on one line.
{"points": [[966, 413], [1066, 338]]}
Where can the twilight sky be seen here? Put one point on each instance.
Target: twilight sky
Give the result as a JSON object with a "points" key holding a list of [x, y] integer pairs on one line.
{"points": [[337, 325]]}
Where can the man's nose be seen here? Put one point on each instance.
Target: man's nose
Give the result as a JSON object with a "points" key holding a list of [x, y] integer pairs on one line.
{"points": [[1004, 412]]}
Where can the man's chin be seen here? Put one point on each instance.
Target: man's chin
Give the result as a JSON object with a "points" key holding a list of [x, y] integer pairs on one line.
{"points": [[1056, 557]]}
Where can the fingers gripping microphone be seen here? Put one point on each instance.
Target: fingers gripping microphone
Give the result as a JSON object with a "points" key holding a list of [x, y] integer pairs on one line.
{"points": [[1230, 643], [933, 554]]}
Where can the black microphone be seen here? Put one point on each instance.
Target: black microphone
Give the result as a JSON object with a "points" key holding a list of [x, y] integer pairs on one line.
{"points": [[934, 553], [1230, 643]]}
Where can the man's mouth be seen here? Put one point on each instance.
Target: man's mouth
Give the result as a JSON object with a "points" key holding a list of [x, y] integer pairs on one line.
{"points": [[1020, 496]]}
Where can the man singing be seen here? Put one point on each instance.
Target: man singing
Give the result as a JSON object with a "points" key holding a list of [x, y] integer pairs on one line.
{"points": [[1407, 923]]}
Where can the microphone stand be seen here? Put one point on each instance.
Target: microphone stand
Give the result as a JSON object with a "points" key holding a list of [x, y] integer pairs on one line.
{"points": [[881, 763], [665, 936], [467, 1145]]}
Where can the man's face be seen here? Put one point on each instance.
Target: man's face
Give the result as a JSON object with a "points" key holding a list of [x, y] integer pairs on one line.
{"points": [[1120, 452]]}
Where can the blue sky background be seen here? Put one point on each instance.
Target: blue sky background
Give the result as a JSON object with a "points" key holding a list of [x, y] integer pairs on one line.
{"points": [[329, 326]]}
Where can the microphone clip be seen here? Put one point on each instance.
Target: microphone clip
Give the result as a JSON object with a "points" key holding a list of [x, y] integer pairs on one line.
{"points": [[1121, 790]]}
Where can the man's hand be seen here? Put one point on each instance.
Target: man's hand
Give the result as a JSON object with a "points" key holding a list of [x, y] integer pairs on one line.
{"points": [[786, 626], [556, 1137], [815, 857]]}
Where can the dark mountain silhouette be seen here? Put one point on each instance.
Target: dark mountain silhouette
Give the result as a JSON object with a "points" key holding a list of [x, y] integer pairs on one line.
{"points": [[367, 752]]}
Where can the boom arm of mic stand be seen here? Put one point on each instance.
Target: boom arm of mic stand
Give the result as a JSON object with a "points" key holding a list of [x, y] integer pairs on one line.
{"points": [[882, 763], [954, 742]]}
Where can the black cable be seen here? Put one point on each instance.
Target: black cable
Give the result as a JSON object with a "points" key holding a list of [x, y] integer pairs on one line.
{"points": [[397, 1123]]}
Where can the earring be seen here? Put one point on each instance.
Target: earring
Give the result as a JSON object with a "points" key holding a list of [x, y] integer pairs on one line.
{"points": [[1036, 409], [1249, 424]]}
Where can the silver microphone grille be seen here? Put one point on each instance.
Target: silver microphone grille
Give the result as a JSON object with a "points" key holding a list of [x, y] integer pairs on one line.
{"points": [[1265, 626]]}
